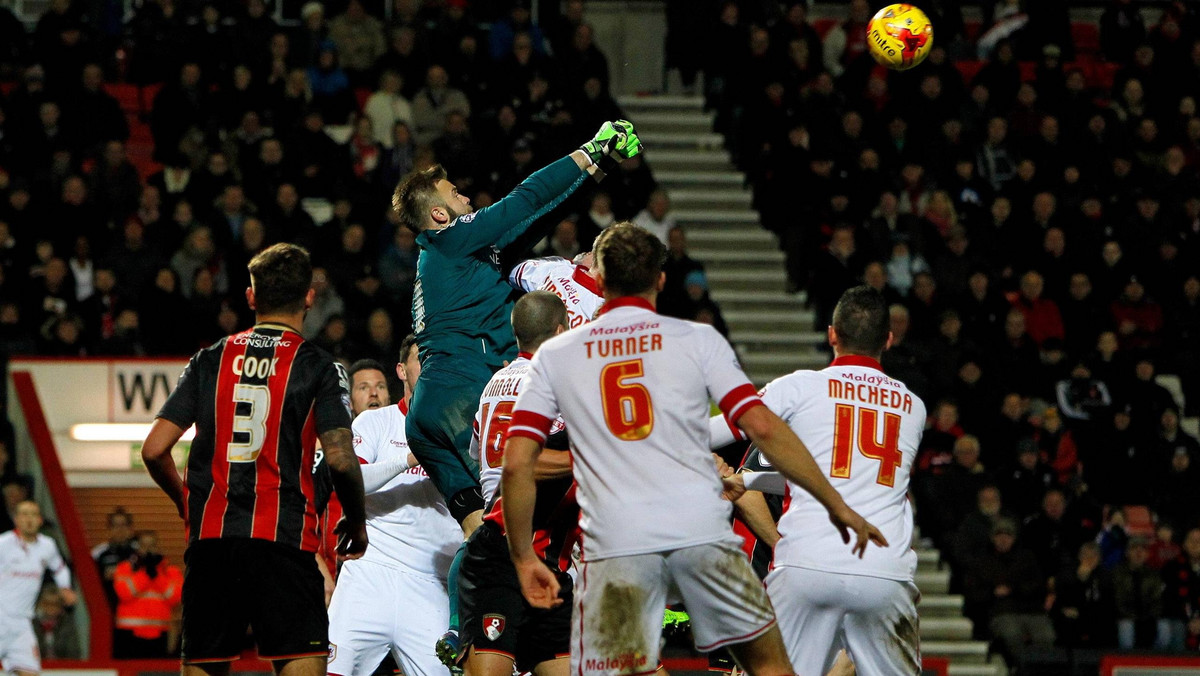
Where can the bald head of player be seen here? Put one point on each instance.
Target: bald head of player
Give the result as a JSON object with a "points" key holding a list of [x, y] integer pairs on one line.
{"points": [[629, 262], [860, 324], [537, 317]]}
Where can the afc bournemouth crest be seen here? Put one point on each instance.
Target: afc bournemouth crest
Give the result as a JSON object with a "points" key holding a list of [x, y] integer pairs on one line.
{"points": [[493, 626], [332, 651]]}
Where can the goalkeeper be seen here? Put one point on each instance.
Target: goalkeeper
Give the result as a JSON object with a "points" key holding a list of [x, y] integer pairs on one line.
{"points": [[462, 303]]}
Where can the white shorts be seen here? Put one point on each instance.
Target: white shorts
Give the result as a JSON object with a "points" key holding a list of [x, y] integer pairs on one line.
{"points": [[376, 608], [19, 647], [619, 603], [873, 619]]}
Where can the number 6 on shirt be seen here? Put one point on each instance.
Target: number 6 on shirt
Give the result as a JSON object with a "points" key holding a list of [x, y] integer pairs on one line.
{"points": [[887, 453], [628, 411]]}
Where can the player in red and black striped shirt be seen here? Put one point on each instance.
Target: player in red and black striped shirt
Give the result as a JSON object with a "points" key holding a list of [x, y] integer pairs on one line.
{"points": [[259, 399]]}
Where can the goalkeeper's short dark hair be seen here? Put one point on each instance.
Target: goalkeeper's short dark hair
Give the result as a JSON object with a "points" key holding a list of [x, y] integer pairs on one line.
{"points": [[629, 258], [416, 195], [861, 321]]}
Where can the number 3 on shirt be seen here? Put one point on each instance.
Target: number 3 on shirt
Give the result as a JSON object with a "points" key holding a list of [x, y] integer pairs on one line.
{"points": [[253, 424], [628, 411], [886, 452]]}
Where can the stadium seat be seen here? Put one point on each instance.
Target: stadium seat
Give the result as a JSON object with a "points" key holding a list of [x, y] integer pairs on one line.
{"points": [[969, 69], [1086, 36], [127, 95]]}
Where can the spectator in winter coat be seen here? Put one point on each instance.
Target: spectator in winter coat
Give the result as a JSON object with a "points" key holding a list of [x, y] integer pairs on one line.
{"points": [[1042, 318], [1181, 604], [1138, 590], [1083, 607], [1005, 589]]}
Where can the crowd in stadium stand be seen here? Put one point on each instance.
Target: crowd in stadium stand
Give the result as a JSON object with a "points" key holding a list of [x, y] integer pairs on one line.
{"points": [[1027, 200], [1034, 219], [262, 133]]}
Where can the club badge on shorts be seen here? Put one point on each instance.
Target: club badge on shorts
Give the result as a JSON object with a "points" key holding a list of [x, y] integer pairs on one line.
{"points": [[493, 626], [332, 651]]}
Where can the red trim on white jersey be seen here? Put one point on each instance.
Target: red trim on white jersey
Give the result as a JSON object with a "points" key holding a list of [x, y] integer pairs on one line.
{"points": [[738, 434], [524, 355], [856, 360], [739, 400], [626, 301], [585, 280], [403, 406], [529, 425]]}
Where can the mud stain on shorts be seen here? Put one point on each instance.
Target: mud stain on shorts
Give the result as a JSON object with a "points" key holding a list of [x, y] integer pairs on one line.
{"points": [[905, 639], [618, 626]]}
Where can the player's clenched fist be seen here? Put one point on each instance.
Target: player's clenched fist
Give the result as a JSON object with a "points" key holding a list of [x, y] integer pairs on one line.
{"points": [[628, 143], [352, 539], [618, 138], [538, 583]]}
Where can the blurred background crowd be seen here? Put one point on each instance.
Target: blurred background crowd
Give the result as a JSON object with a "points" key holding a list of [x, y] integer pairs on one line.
{"points": [[1027, 199]]}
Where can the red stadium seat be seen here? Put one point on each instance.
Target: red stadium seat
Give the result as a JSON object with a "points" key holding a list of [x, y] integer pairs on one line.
{"points": [[127, 95], [148, 93], [968, 69], [1086, 36], [972, 28], [1028, 71]]}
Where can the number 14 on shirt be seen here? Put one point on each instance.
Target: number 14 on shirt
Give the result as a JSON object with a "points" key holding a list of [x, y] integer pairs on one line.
{"points": [[858, 424]]}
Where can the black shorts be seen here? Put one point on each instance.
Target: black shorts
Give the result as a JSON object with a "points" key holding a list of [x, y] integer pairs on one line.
{"points": [[495, 616], [235, 583]]}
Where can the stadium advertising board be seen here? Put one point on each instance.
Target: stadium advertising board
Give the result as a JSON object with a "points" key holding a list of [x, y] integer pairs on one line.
{"points": [[98, 410]]}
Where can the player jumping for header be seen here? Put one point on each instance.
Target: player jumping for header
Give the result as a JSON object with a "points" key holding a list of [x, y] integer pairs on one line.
{"points": [[461, 307]]}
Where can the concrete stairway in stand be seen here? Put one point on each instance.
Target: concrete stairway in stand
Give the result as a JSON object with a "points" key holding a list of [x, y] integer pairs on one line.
{"points": [[771, 328]]}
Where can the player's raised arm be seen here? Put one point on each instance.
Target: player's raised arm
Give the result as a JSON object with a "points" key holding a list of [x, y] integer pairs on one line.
{"points": [[427, 201]]}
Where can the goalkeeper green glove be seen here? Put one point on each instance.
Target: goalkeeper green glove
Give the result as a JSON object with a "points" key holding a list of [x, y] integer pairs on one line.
{"points": [[617, 138], [628, 143], [602, 143]]}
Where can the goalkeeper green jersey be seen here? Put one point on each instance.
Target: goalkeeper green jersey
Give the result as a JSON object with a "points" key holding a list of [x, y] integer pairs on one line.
{"points": [[462, 302]]}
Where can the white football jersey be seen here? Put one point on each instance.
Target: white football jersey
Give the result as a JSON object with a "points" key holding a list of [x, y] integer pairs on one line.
{"points": [[568, 281], [634, 388], [492, 419], [22, 566], [408, 523], [863, 428]]}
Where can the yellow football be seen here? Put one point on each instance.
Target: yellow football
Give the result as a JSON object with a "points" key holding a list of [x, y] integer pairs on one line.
{"points": [[900, 36]]}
